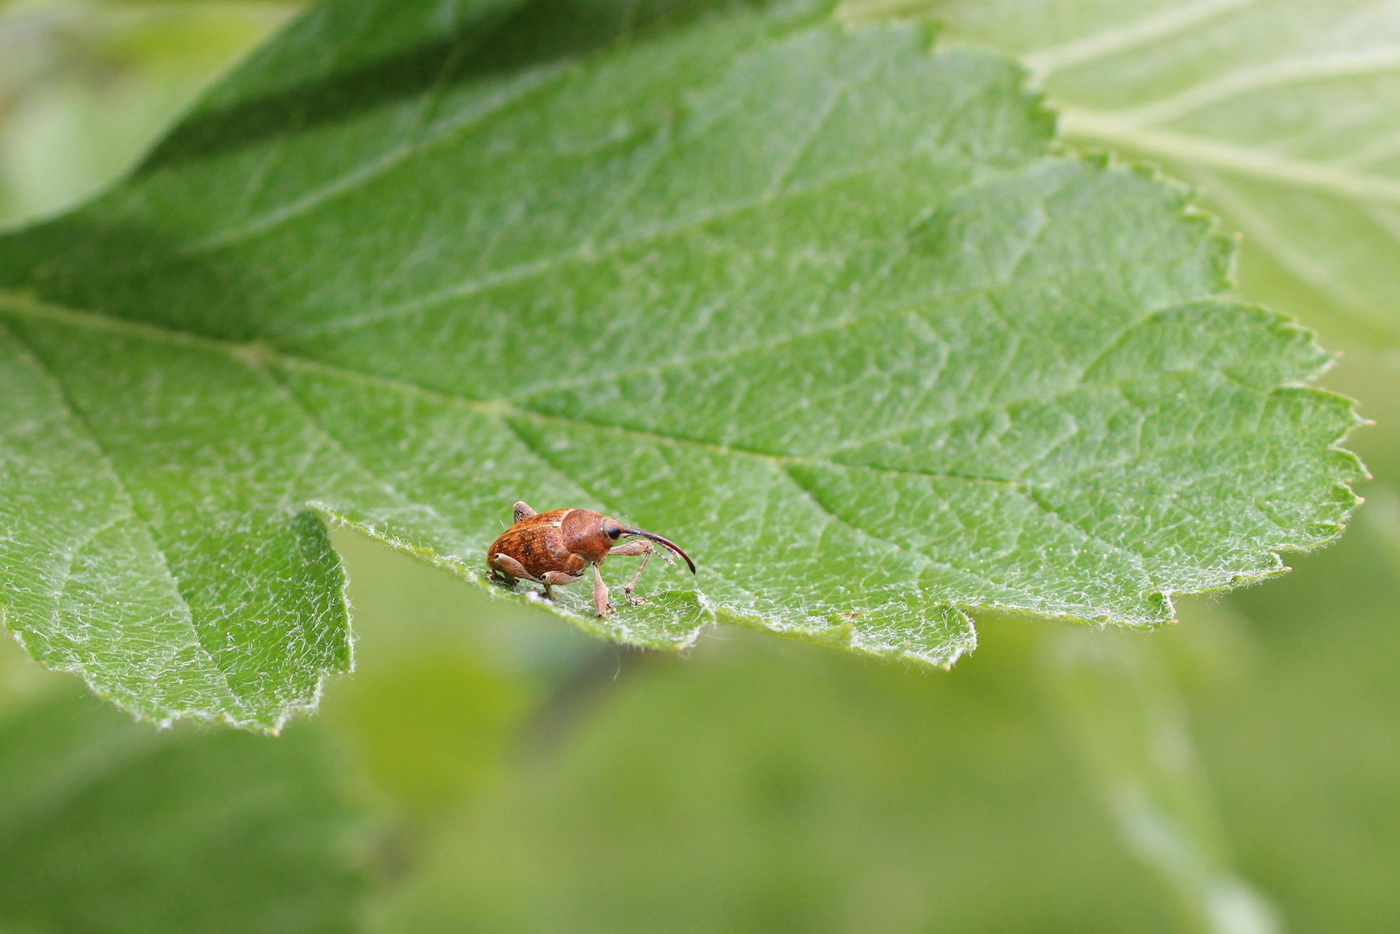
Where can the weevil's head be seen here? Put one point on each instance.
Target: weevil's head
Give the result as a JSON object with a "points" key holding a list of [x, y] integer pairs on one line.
{"points": [[615, 531]]}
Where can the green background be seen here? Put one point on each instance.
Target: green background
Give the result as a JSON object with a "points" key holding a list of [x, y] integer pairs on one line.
{"points": [[495, 772]]}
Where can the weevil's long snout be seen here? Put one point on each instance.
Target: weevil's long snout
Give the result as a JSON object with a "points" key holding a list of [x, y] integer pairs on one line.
{"points": [[628, 530]]}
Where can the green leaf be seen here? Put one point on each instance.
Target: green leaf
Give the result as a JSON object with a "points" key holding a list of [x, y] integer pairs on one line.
{"points": [[1284, 112], [821, 304], [108, 826]]}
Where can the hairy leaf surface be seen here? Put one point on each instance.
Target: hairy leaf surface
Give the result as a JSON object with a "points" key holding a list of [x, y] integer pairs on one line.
{"points": [[822, 304]]}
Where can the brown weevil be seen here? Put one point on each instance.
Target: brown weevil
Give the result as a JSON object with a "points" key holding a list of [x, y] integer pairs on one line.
{"points": [[555, 548]]}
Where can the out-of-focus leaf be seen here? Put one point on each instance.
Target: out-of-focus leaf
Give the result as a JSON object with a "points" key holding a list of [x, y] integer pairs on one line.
{"points": [[1302, 755], [821, 304], [1122, 710], [1285, 112], [85, 85], [110, 826], [773, 788]]}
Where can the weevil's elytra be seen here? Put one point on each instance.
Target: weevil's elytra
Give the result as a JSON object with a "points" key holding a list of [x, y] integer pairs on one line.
{"points": [[556, 548]]}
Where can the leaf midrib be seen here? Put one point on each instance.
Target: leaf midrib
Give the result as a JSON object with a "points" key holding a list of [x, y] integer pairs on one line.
{"points": [[257, 356]]}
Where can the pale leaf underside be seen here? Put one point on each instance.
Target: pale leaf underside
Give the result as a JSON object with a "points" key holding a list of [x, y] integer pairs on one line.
{"points": [[1285, 114]]}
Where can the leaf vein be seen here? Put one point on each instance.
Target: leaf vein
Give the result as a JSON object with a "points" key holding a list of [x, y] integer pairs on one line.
{"points": [[588, 252], [1122, 38], [888, 544], [81, 423], [543, 81]]}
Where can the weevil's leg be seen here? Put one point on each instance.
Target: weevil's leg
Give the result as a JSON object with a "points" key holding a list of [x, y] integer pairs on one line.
{"points": [[523, 511], [639, 547], [558, 579], [601, 603], [510, 570], [642, 547]]}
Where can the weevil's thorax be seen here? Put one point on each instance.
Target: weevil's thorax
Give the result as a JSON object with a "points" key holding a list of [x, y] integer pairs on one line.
{"points": [[584, 534]]}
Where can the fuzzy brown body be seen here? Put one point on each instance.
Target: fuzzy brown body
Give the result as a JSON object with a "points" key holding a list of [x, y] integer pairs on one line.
{"points": [[556, 548], [561, 540]]}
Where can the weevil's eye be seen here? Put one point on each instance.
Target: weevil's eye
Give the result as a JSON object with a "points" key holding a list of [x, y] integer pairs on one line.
{"points": [[612, 531]]}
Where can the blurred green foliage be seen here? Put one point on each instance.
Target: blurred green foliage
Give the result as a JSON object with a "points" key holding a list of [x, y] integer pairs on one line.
{"points": [[109, 825], [510, 775], [86, 86]]}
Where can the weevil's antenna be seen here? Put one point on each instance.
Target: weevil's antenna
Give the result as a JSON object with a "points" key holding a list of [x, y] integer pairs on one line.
{"points": [[628, 530]]}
